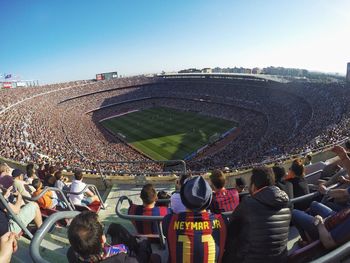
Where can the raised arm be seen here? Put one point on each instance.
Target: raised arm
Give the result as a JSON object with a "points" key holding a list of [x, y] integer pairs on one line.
{"points": [[342, 154]]}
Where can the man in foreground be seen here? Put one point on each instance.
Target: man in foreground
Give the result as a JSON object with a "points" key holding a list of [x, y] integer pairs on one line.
{"points": [[258, 229]]}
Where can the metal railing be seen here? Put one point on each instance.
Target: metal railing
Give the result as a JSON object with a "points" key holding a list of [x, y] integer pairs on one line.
{"points": [[54, 189], [34, 248], [15, 217], [335, 255]]}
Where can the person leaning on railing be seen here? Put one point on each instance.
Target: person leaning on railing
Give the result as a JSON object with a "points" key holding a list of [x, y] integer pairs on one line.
{"points": [[330, 227]]}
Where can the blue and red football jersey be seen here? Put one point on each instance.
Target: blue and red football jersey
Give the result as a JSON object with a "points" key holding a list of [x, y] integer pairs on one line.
{"points": [[195, 237], [147, 227], [225, 200]]}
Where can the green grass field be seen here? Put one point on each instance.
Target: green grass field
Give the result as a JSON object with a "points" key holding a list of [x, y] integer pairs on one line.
{"points": [[167, 134]]}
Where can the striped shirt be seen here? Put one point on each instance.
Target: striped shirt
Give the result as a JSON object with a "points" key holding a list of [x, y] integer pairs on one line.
{"points": [[195, 237], [224, 200], [147, 227]]}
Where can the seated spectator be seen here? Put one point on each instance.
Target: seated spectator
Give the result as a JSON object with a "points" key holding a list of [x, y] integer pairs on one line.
{"points": [[61, 181], [308, 160], [322, 223], [162, 195], [6, 179], [334, 169], [338, 198], [195, 235], [26, 213], [30, 173], [88, 242], [50, 178], [259, 227], [42, 170], [224, 200], [280, 174], [5, 169], [148, 208], [8, 246], [296, 185], [176, 204], [241, 185], [85, 198], [22, 187], [49, 200]]}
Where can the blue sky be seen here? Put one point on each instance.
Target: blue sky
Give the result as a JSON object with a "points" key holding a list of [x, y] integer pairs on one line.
{"points": [[55, 41]]}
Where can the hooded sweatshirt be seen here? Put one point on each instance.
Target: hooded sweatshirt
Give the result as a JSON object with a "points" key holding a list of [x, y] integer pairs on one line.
{"points": [[258, 229]]}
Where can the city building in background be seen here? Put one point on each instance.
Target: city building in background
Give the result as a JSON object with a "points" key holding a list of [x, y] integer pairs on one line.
{"points": [[348, 74]]}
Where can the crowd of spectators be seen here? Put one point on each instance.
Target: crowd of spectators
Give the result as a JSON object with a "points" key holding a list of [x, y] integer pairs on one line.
{"points": [[195, 224], [60, 122]]}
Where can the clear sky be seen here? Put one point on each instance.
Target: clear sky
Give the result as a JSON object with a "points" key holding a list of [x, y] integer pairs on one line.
{"points": [[61, 40]]}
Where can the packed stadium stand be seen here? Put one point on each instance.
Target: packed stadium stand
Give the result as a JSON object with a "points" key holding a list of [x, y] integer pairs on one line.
{"points": [[60, 125], [276, 120]]}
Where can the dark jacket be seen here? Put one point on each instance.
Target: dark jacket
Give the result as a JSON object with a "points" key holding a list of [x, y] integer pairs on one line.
{"points": [[296, 187], [258, 228]]}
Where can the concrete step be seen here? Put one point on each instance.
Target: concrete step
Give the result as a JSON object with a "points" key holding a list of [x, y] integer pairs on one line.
{"points": [[52, 252]]}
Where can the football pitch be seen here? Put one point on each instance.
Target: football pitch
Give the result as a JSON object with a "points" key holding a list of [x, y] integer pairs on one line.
{"points": [[167, 134]]}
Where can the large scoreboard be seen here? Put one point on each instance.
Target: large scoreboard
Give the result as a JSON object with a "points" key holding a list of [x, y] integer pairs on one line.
{"points": [[107, 76]]}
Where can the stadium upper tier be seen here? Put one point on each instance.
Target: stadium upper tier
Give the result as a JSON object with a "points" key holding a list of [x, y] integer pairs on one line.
{"points": [[61, 121]]}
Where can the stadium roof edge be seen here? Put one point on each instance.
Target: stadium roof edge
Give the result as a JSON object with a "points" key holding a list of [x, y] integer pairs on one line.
{"points": [[226, 75]]}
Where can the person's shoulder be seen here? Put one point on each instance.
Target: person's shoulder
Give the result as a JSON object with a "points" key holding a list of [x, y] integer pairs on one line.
{"points": [[175, 195]]}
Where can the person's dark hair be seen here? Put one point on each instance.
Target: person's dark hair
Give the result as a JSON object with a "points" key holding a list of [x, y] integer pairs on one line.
{"points": [[30, 168], [279, 172], [78, 174], [240, 182], [163, 195], [262, 176], [298, 168], [30, 173], [52, 170], [347, 145], [183, 178], [148, 194], [218, 179], [36, 183], [58, 175], [85, 234], [51, 180]]}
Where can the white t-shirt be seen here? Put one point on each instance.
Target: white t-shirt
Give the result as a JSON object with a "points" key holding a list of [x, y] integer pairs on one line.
{"points": [[76, 187], [60, 185], [176, 204]]}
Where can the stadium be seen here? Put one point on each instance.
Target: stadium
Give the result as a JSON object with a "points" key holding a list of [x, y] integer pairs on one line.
{"points": [[211, 121], [125, 133]]}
